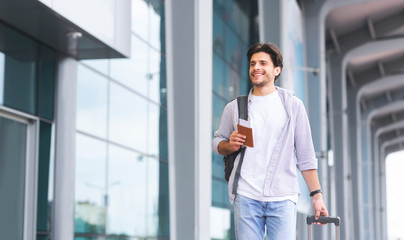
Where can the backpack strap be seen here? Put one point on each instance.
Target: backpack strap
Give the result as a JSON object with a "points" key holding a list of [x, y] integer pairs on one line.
{"points": [[242, 104]]}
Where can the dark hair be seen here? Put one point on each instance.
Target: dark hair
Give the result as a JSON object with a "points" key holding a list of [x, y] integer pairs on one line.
{"points": [[271, 49]]}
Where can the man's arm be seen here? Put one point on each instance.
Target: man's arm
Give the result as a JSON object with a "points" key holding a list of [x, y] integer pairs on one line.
{"points": [[311, 178], [228, 147]]}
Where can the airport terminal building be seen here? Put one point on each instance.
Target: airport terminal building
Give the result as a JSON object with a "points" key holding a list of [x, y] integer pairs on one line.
{"points": [[108, 108]]}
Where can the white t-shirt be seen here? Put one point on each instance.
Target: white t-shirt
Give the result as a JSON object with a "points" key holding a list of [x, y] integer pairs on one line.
{"points": [[267, 117]]}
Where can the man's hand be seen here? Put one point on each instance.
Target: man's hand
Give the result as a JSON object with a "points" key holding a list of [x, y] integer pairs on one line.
{"points": [[236, 140], [319, 207]]}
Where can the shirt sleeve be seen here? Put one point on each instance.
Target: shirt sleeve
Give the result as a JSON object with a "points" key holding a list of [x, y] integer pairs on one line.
{"points": [[305, 154], [225, 127]]}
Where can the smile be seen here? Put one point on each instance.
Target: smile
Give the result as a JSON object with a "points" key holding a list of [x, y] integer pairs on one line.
{"points": [[257, 74]]}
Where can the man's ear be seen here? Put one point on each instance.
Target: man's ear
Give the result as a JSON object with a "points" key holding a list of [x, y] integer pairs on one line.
{"points": [[277, 71]]}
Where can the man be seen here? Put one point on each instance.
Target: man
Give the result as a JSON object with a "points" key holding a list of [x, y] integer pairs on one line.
{"points": [[268, 189]]}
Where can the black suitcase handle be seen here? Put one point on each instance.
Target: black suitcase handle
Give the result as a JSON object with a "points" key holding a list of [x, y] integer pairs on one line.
{"points": [[311, 219]]}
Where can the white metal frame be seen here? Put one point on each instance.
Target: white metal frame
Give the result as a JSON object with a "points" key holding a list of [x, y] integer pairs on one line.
{"points": [[31, 168]]}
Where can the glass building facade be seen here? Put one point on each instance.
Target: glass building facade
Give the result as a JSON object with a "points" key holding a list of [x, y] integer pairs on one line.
{"points": [[235, 28], [27, 90], [121, 144]]}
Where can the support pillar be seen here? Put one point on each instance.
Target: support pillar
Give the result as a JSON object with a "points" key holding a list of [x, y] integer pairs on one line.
{"points": [[189, 85], [65, 122]]}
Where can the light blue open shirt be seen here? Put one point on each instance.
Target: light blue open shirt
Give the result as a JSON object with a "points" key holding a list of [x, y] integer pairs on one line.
{"points": [[281, 177]]}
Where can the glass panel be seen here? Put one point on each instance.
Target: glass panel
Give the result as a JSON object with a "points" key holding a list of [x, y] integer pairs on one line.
{"points": [[20, 70], [20, 84], [89, 238], [12, 178], [128, 118], [127, 193], [233, 83], [140, 18], [218, 190], [163, 82], [2, 61], [217, 166], [42, 237], [158, 199], [219, 8], [163, 136], [47, 83], [91, 102], [218, 38], [220, 223], [232, 50], [44, 159], [154, 75], [90, 195], [244, 87], [245, 66], [157, 131], [219, 80], [218, 107], [155, 22], [133, 72], [101, 65]]}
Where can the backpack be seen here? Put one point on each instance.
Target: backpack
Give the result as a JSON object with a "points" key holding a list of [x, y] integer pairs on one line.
{"points": [[242, 104]]}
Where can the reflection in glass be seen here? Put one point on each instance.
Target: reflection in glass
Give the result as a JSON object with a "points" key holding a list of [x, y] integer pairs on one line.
{"points": [[127, 193], [90, 195], [94, 238], [154, 75], [20, 84], [140, 18], [244, 86], [218, 107], [219, 80], [91, 102], [156, 9], [154, 130], [217, 166], [163, 136], [133, 72], [163, 82], [128, 118], [46, 83], [2, 59], [218, 38], [20, 70], [44, 179], [42, 237], [101, 65], [157, 199], [219, 192], [220, 223], [12, 178]]}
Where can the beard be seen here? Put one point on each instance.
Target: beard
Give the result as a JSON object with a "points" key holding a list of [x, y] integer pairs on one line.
{"points": [[263, 83]]}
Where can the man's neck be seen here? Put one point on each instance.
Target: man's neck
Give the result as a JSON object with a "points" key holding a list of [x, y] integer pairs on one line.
{"points": [[265, 90]]}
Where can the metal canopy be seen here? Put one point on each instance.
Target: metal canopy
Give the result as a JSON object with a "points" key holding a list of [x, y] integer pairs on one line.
{"points": [[364, 54], [33, 18]]}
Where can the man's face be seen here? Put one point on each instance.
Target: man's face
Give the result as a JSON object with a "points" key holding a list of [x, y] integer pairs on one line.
{"points": [[262, 69]]}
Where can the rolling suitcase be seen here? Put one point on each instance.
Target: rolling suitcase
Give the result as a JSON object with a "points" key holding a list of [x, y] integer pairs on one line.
{"points": [[336, 220]]}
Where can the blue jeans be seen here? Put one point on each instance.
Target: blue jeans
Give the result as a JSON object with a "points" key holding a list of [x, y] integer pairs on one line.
{"points": [[251, 217]]}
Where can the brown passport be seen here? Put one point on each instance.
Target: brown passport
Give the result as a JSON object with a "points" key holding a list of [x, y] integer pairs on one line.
{"points": [[246, 131]]}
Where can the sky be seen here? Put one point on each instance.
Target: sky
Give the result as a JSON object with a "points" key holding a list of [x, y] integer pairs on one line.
{"points": [[395, 195]]}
